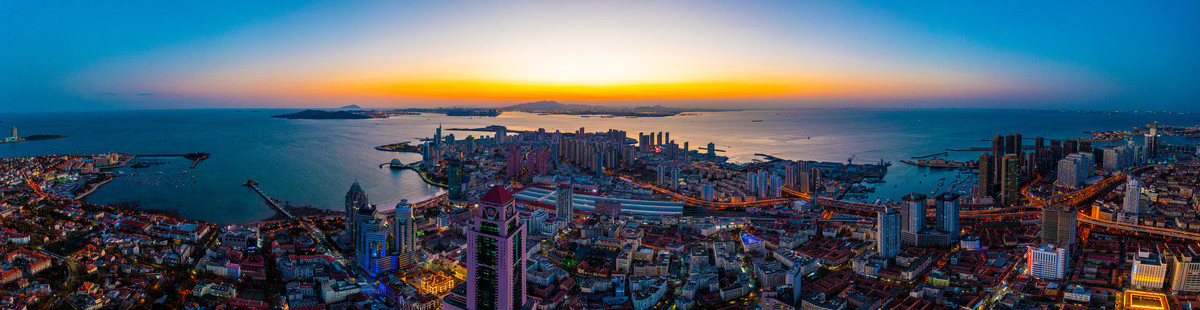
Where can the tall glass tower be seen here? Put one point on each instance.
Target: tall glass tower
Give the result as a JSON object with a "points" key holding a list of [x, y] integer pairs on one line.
{"points": [[496, 254]]}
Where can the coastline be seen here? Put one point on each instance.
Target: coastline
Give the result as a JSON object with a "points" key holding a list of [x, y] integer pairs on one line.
{"points": [[92, 189]]}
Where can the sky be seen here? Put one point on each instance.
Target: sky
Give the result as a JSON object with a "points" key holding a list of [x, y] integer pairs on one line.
{"points": [[1093, 55]]}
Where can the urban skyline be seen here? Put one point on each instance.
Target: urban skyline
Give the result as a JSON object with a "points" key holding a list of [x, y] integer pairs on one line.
{"points": [[616, 155]]}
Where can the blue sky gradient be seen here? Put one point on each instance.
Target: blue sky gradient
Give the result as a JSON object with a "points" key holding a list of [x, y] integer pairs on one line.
{"points": [[1098, 55]]}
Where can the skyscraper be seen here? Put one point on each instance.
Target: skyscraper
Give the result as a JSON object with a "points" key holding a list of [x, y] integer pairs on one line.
{"points": [[998, 152], [1074, 169], [887, 229], [947, 215], [1152, 141], [371, 248], [986, 179], [564, 208], [404, 234], [496, 254], [1010, 191], [914, 212], [454, 178], [1058, 226], [1133, 196], [355, 198]]}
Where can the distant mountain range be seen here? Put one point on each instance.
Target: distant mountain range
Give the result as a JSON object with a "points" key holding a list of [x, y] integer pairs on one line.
{"points": [[318, 114], [352, 107], [555, 106]]}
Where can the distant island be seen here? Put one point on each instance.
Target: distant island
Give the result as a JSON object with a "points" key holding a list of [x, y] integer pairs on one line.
{"points": [[318, 114], [43, 137], [545, 107], [16, 139], [554, 107]]}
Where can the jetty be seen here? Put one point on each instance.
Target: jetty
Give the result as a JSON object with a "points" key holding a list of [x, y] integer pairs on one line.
{"points": [[254, 185], [413, 167]]}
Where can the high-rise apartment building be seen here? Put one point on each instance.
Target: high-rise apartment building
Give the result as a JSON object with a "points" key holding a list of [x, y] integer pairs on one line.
{"points": [[564, 206], [914, 212], [1010, 188], [947, 215], [887, 230]]}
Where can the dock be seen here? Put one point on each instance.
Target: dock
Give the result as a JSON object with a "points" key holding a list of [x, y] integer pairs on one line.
{"points": [[270, 201]]}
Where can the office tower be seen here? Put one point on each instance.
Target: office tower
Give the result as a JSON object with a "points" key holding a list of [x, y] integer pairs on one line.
{"points": [[947, 215], [437, 138], [454, 178], [1185, 269], [986, 187], [355, 198], [1046, 261], [667, 140], [563, 209], [1039, 143], [1058, 226], [1149, 271], [496, 261], [370, 248], [660, 139], [1152, 141], [404, 234], [913, 212], [14, 133], [1010, 188], [887, 229], [1133, 195]]}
